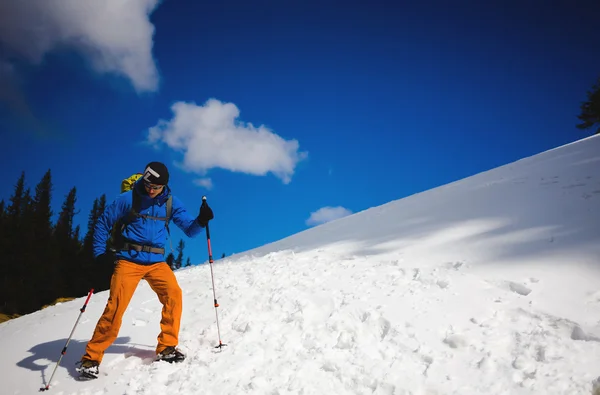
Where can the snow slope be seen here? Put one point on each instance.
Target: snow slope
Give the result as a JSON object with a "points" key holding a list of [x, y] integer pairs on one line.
{"points": [[489, 285]]}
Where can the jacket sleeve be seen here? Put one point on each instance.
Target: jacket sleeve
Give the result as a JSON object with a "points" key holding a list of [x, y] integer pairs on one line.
{"points": [[184, 220], [112, 213]]}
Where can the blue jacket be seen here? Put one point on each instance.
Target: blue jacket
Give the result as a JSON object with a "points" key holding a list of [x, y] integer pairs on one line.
{"points": [[143, 231]]}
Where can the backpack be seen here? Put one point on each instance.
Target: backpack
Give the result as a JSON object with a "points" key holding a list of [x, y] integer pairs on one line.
{"points": [[116, 242], [128, 182]]}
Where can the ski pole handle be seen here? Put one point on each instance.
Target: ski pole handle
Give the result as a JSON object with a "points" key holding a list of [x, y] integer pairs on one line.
{"points": [[87, 300], [210, 259]]}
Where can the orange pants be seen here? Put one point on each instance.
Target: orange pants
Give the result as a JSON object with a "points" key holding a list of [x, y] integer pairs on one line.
{"points": [[124, 281]]}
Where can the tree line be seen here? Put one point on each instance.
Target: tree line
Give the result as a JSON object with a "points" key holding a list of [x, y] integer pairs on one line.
{"points": [[43, 261]]}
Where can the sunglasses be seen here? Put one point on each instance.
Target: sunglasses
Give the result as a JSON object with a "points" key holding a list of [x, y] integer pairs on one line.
{"points": [[153, 187]]}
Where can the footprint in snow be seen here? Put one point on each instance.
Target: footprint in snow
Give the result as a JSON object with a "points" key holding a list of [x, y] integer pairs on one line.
{"points": [[455, 341], [396, 262], [345, 340], [139, 322], [454, 265], [512, 286], [579, 334], [384, 327], [427, 360], [519, 288]]}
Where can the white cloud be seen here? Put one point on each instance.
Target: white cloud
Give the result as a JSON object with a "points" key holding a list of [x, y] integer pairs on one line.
{"points": [[326, 214], [114, 35], [204, 182], [209, 136]]}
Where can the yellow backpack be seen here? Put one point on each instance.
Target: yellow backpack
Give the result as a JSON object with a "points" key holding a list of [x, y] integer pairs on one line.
{"points": [[127, 183]]}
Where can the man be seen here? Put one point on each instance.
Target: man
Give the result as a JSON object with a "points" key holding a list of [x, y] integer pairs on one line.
{"points": [[139, 253]]}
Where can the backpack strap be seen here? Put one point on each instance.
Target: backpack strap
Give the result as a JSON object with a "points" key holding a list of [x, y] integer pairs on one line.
{"points": [[134, 212], [169, 213], [140, 248]]}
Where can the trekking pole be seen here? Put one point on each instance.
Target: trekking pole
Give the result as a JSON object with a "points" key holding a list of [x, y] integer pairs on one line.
{"points": [[64, 350], [210, 260]]}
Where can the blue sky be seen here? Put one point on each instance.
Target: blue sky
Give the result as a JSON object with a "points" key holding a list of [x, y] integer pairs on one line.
{"points": [[275, 110]]}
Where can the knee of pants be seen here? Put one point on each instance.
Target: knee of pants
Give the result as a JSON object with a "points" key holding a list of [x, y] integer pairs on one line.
{"points": [[176, 292]]}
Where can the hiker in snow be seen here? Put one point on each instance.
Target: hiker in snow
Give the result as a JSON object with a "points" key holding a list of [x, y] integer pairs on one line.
{"points": [[138, 252]]}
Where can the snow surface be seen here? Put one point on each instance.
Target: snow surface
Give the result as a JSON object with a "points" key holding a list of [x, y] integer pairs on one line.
{"points": [[489, 285]]}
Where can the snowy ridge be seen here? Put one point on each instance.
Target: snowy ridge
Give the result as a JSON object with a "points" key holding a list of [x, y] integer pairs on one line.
{"points": [[489, 285], [548, 189]]}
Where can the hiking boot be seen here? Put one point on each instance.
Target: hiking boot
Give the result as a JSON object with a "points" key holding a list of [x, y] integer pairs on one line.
{"points": [[88, 369], [170, 354]]}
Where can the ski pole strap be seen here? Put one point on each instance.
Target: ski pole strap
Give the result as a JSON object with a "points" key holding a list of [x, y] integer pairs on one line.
{"points": [[142, 248]]}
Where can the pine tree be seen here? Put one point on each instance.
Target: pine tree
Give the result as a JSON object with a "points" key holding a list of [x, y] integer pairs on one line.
{"points": [[42, 212], [77, 233], [188, 263], [9, 266], [179, 260], [26, 247], [67, 245], [26, 215], [42, 276], [590, 109], [3, 230], [17, 203], [100, 273], [23, 229], [89, 272], [64, 225], [88, 241], [18, 252], [170, 260], [3, 227]]}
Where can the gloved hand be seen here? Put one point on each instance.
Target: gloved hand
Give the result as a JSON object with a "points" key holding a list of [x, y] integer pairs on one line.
{"points": [[206, 214]]}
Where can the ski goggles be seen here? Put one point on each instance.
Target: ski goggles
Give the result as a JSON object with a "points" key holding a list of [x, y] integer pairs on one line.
{"points": [[153, 187]]}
